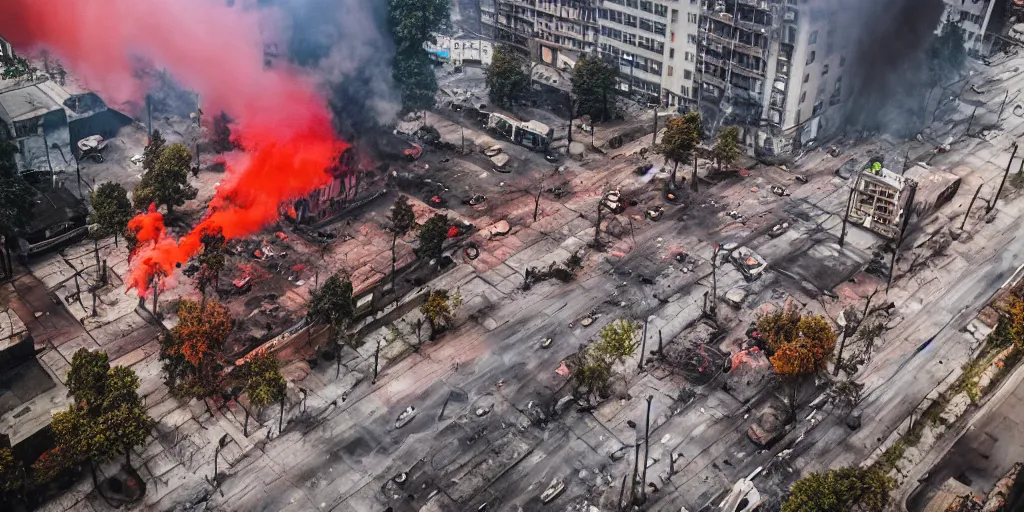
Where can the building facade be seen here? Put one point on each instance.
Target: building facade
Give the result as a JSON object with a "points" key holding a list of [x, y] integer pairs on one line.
{"points": [[542, 28], [974, 17], [655, 45], [774, 68]]}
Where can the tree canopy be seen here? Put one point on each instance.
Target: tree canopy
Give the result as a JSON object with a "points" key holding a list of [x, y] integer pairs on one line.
{"points": [[681, 138], [211, 260], [840, 490], [166, 183], [798, 344], [727, 146], [402, 221], [593, 82], [439, 308], [12, 472], [616, 341], [193, 350], [332, 303], [262, 380], [432, 235], [506, 78], [107, 418], [15, 67], [111, 210], [413, 23]]}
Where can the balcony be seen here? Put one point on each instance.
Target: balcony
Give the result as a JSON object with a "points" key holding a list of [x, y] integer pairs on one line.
{"points": [[736, 68], [758, 4], [713, 80]]}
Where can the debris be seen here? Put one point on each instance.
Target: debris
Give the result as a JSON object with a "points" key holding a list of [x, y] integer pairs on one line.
{"points": [[779, 191]]}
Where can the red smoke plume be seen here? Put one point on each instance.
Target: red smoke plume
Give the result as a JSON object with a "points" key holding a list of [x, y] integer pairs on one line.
{"points": [[281, 120]]}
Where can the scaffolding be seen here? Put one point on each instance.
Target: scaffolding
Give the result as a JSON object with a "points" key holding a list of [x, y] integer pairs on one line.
{"points": [[879, 201]]}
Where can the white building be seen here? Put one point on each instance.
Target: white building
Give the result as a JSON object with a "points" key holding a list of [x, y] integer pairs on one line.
{"points": [[458, 50], [655, 45], [974, 16]]}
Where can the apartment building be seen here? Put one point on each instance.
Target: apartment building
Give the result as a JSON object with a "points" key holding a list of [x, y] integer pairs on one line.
{"points": [[773, 67], [543, 29], [974, 17], [655, 46]]}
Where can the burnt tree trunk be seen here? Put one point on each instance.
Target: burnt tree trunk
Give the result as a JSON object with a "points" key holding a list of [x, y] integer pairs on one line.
{"points": [[536, 203], [693, 178]]}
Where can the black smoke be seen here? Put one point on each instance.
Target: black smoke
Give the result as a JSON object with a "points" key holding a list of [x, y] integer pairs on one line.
{"points": [[349, 45], [890, 39]]}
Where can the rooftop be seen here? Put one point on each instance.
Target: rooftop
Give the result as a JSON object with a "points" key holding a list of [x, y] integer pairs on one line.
{"points": [[28, 102]]}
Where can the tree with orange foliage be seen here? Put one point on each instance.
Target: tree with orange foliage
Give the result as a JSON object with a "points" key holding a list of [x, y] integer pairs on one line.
{"points": [[193, 350], [800, 345], [1014, 314]]}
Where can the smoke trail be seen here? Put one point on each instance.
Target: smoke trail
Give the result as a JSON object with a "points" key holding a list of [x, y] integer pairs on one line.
{"points": [[889, 39], [348, 43], [280, 119]]}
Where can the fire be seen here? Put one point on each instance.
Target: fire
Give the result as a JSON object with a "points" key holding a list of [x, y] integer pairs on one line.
{"points": [[281, 120]]}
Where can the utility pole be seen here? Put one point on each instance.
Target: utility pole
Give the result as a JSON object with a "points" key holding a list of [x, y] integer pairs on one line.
{"points": [[647, 448], [995, 200], [970, 206], [714, 282], [970, 123], [846, 215], [376, 360], [643, 347], [654, 136], [1002, 105], [1002, 182]]}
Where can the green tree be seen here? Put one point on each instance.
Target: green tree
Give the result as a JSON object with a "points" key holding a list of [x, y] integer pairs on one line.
{"points": [[402, 221], [211, 261], [591, 374], [17, 199], [727, 146], [123, 417], [107, 418], [413, 23], [438, 310], [151, 153], [506, 78], [593, 82], [432, 236], [616, 341], [946, 55], [332, 304], [12, 472], [166, 184], [87, 377], [840, 490], [111, 210], [262, 382], [680, 141]]}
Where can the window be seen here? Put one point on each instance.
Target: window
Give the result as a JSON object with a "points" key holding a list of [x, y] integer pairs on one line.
{"points": [[645, 24], [646, 5], [26, 128], [692, 39], [659, 28], [689, 57], [824, 70], [810, 58], [602, 13], [669, 71], [803, 96], [629, 20], [671, 53], [661, 10], [675, 15], [687, 74], [691, 17], [814, 38], [807, 78], [684, 91]]}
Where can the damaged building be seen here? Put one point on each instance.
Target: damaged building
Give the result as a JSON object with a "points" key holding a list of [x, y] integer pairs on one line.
{"points": [[45, 121], [879, 201]]}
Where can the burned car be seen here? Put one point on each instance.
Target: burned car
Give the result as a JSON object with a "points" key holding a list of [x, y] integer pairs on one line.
{"points": [[751, 264]]}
